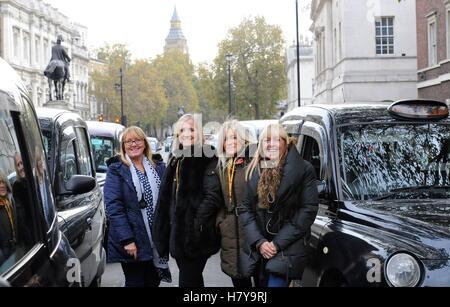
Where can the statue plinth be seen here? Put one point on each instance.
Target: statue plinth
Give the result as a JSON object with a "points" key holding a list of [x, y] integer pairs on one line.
{"points": [[59, 104]]}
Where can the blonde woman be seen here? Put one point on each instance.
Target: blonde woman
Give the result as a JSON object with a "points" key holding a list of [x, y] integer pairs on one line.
{"points": [[131, 193], [189, 201], [280, 207], [8, 222], [234, 152]]}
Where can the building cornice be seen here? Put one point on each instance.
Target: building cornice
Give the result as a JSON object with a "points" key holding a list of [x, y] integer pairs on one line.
{"points": [[316, 7], [433, 82], [426, 69], [67, 27]]}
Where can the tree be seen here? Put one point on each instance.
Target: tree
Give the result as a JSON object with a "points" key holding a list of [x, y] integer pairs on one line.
{"points": [[115, 57], [148, 99], [258, 68], [209, 101], [177, 75]]}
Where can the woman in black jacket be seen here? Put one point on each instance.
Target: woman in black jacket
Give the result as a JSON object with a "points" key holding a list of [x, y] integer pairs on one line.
{"points": [[280, 207], [189, 201]]}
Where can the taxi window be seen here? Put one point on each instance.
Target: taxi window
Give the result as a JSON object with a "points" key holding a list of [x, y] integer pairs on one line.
{"points": [[398, 161], [103, 149], [68, 162], [16, 206], [83, 152]]}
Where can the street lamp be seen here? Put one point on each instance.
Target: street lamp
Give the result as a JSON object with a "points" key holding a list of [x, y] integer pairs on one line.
{"points": [[118, 86], [298, 56], [229, 58]]}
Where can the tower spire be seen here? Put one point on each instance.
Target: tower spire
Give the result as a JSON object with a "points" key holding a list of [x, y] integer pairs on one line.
{"points": [[176, 39]]}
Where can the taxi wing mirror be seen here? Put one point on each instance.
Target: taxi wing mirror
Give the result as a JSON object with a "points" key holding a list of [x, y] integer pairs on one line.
{"points": [[80, 185]]}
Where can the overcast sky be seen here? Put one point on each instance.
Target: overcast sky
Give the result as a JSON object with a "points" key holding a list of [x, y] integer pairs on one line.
{"points": [[143, 25]]}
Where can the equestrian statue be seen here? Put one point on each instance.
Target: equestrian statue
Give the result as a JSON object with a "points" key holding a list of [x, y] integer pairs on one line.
{"points": [[58, 69]]}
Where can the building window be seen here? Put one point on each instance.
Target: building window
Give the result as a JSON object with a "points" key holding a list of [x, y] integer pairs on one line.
{"points": [[46, 51], [37, 42], [340, 41], [16, 39], [448, 31], [432, 42], [384, 35], [26, 47], [335, 46]]}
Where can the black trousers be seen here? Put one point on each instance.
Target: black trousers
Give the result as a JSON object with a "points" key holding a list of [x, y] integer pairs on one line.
{"points": [[242, 283], [191, 272], [140, 274]]}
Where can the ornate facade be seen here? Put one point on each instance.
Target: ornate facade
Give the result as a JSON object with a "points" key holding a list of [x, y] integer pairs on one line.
{"points": [[28, 30]]}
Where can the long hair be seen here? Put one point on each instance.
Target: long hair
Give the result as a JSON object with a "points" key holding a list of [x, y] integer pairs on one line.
{"points": [[198, 131], [271, 130], [140, 134], [4, 179], [244, 138]]}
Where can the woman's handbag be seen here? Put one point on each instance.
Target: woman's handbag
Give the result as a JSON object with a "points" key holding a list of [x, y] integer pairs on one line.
{"points": [[291, 262], [248, 262]]}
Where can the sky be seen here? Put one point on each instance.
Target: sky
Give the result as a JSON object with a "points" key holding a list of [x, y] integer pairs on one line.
{"points": [[143, 25]]}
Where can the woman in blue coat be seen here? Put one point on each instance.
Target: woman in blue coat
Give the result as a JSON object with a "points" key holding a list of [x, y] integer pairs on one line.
{"points": [[131, 193]]}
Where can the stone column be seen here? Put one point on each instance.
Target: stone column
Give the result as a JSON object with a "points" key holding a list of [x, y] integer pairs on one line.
{"points": [[34, 95], [7, 35], [32, 38]]}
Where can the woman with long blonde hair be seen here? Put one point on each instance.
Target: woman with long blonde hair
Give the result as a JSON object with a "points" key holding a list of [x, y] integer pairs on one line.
{"points": [[280, 207], [234, 150], [189, 201]]}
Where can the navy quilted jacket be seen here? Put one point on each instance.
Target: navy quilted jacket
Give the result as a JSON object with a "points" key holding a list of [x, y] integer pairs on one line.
{"points": [[124, 213]]}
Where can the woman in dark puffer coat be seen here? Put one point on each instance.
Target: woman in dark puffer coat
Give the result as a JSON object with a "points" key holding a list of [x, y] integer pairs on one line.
{"points": [[280, 207]]}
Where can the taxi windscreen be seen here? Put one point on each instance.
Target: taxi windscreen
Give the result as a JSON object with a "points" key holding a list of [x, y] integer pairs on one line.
{"points": [[394, 161], [103, 149]]}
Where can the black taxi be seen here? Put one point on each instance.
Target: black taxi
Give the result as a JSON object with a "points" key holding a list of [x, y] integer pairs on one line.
{"points": [[384, 182], [33, 250], [105, 141], [81, 213]]}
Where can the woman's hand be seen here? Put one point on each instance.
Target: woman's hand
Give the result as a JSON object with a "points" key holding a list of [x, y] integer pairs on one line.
{"points": [[131, 250], [268, 250]]}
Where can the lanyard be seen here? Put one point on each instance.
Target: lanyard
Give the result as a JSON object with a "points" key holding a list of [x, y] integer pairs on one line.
{"points": [[231, 173], [8, 209], [178, 175]]}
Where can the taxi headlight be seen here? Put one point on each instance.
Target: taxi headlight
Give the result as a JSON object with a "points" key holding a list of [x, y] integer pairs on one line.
{"points": [[403, 270]]}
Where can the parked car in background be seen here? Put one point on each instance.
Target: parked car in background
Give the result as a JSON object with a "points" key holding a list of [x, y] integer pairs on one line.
{"points": [[211, 139], [384, 186], [168, 144], [105, 141], [256, 127], [37, 253], [154, 144], [81, 212]]}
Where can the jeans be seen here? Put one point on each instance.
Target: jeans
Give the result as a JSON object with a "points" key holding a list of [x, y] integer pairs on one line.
{"points": [[277, 282]]}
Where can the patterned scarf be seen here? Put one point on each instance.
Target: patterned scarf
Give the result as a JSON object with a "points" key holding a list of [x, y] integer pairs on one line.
{"points": [[149, 189]]}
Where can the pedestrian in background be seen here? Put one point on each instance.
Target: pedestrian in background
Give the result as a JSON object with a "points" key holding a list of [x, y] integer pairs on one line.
{"points": [[131, 193], [234, 151], [280, 207], [8, 220], [189, 202]]}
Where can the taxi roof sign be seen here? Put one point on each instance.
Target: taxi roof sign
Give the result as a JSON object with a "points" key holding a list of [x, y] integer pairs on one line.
{"points": [[419, 109]]}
